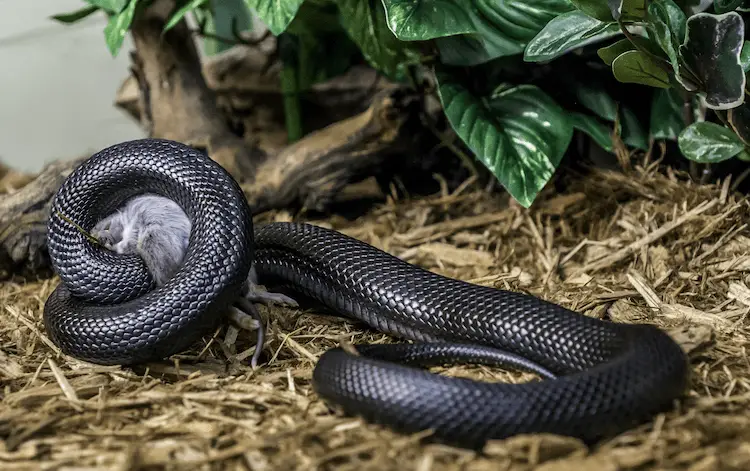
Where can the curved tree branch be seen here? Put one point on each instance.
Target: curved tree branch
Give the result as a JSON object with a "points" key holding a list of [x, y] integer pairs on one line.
{"points": [[175, 103]]}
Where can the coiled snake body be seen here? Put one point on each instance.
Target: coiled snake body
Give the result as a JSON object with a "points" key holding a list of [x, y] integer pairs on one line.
{"points": [[604, 376]]}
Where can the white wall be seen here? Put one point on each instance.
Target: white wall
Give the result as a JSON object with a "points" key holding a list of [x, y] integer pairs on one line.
{"points": [[57, 85]]}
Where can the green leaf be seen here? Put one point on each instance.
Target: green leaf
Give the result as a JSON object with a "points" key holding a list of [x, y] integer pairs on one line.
{"points": [[117, 27], [744, 156], [489, 29], [706, 142], [633, 134], [745, 56], [566, 32], [597, 9], [711, 52], [519, 134], [637, 67], [180, 14], [421, 20], [223, 20], [77, 15], [739, 120], [368, 29], [467, 50], [609, 53], [110, 6], [598, 131], [724, 6], [667, 117], [594, 97], [627, 10], [276, 14], [633, 10], [667, 27]]}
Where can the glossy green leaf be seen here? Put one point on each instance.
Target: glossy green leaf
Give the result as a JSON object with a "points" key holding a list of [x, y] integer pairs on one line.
{"points": [[597, 9], [490, 28], [745, 56], [637, 67], [180, 13], [598, 131], [77, 15], [744, 156], [667, 116], [609, 53], [667, 27], [724, 6], [627, 10], [739, 120], [519, 134], [276, 14], [421, 20], [632, 132], [368, 29], [712, 51], [468, 50], [565, 33], [110, 6], [226, 18], [594, 97], [117, 27], [706, 142], [634, 10]]}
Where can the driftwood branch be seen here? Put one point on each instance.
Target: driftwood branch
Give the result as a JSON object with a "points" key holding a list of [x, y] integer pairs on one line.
{"points": [[309, 174], [23, 220], [249, 95], [313, 170], [175, 102]]}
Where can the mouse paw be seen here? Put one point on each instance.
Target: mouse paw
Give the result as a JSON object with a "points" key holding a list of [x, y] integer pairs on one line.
{"points": [[256, 293]]}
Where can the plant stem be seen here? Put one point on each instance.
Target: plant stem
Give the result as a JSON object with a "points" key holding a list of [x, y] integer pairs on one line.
{"points": [[290, 90], [739, 180], [687, 117]]}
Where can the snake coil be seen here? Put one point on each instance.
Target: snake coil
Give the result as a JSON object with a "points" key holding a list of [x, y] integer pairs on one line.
{"points": [[602, 377]]}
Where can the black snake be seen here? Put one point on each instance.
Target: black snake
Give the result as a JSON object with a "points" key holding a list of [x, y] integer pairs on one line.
{"points": [[602, 377]]}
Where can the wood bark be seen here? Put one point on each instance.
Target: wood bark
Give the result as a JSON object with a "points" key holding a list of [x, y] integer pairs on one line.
{"points": [[176, 102]]}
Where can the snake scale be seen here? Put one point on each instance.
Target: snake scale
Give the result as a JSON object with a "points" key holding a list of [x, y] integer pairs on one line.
{"points": [[600, 377]]}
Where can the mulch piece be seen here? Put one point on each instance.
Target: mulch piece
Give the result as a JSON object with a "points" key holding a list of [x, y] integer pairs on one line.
{"points": [[642, 245]]}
